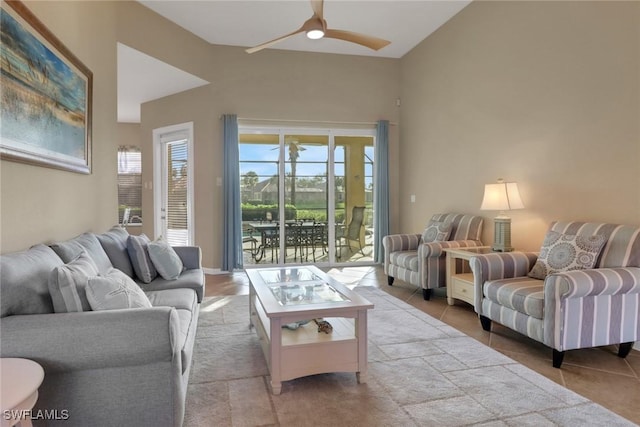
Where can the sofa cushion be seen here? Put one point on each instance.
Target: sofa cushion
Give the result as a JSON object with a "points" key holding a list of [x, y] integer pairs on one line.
{"points": [[522, 294], [24, 278], [405, 259], [114, 243], [68, 282], [70, 249], [139, 256], [436, 232], [178, 298], [190, 279], [565, 252], [165, 259], [115, 290]]}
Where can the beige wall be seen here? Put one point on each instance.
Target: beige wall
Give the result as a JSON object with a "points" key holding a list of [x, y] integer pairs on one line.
{"points": [[41, 204], [542, 93]]}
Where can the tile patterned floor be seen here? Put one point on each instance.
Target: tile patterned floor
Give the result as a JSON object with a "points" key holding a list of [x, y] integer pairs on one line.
{"points": [[597, 374]]}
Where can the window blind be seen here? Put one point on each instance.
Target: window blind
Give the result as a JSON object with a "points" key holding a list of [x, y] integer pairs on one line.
{"points": [[177, 184], [130, 183]]}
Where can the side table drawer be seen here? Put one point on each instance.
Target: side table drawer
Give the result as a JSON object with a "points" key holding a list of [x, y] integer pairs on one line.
{"points": [[462, 289]]}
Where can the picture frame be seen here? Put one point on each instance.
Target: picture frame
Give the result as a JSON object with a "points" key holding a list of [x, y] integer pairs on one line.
{"points": [[46, 108]]}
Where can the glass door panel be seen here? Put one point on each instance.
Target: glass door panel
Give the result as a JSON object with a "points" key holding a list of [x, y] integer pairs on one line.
{"points": [[307, 196], [306, 170], [260, 197], [353, 192]]}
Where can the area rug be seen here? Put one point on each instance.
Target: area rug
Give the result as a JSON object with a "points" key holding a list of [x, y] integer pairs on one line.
{"points": [[422, 372]]}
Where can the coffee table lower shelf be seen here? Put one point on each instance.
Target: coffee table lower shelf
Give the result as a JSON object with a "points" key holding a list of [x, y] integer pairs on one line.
{"points": [[298, 353]]}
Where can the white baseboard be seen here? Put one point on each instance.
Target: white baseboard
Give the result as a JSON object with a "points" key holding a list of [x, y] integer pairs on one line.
{"points": [[636, 346], [214, 271]]}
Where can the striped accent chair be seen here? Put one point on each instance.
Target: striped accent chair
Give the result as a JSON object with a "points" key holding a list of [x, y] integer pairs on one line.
{"points": [[567, 310], [409, 259]]}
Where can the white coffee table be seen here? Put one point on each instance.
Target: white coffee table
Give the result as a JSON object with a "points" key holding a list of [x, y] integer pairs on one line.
{"points": [[19, 382], [284, 295]]}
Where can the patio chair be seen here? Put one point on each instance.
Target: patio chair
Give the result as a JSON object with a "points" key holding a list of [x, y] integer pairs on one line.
{"points": [[351, 233]]}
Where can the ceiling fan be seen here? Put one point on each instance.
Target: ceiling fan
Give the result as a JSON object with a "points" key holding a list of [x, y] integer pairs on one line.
{"points": [[316, 28]]}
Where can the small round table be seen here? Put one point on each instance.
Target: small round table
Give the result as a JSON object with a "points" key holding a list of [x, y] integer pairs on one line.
{"points": [[19, 382]]}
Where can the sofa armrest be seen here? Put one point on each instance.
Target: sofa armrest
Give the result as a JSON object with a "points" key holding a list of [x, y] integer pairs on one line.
{"points": [[191, 256], [63, 342], [436, 249], [593, 282], [590, 308], [399, 242], [498, 265]]}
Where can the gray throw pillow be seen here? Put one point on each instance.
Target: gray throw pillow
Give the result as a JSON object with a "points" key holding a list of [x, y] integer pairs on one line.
{"points": [[436, 232], [139, 256], [67, 284], [114, 243], [566, 252], [70, 249], [165, 259], [115, 290]]}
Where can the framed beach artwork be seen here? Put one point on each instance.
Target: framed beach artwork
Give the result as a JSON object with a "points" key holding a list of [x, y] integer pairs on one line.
{"points": [[46, 95]]}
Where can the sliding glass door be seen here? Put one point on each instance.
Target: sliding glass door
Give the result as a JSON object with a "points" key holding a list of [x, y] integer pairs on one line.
{"points": [[306, 196]]}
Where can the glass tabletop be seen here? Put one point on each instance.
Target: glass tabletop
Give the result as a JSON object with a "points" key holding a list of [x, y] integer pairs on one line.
{"points": [[287, 275], [309, 293]]}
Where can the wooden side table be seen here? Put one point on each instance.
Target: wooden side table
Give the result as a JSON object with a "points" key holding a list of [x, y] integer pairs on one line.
{"points": [[460, 281], [19, 381]]}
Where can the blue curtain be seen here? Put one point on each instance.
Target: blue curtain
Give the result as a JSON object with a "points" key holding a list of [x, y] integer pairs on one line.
{"points": [[232, 237], [381, 211]]}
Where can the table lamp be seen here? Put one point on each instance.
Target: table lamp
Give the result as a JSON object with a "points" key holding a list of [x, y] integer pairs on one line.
{"points": [[502, 197]]}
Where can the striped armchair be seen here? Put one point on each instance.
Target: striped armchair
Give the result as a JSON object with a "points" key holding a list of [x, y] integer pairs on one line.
{"points": [[568, 310], [409, 259]]}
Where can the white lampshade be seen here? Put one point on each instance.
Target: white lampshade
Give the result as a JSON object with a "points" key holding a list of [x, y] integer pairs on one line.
{"points": [[502, 196]]}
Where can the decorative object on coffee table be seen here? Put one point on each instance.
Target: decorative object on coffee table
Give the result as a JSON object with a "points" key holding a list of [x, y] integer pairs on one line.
{"points": [[323, 326]]}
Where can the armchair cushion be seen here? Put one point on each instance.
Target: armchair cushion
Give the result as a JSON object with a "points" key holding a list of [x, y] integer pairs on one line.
{"points": [[522, 294], [566, 252], [436, 232]]}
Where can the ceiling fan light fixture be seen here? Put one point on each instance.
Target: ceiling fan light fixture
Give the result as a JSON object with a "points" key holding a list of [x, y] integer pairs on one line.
{"points": [[315, 34]]}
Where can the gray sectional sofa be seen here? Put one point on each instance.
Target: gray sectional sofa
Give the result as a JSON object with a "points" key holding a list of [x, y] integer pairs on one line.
{"points": [[105, 368]]}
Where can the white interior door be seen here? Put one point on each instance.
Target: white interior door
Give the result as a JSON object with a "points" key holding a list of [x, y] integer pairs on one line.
{"points": [[173, 181]]}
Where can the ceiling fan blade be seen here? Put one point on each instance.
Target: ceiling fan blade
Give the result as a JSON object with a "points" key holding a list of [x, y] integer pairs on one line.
{"points": [[274, 41], [318, 6], [361, 39]]}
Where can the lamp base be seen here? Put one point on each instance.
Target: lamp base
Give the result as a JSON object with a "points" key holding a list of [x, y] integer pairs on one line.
{"points": [[502, 234]]}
